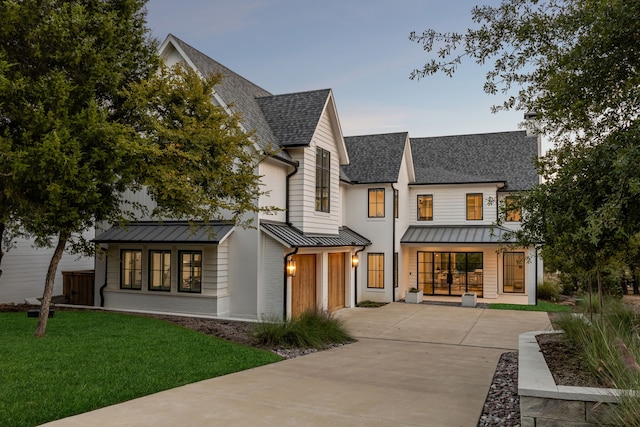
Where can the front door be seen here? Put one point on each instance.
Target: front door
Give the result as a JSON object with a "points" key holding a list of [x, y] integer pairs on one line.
{"points": [[336, 281], [303, 285]]}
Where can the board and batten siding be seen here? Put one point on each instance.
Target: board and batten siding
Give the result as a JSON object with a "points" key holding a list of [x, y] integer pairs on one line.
{"points": [[450, 204], [303, 184], [25, 270]]}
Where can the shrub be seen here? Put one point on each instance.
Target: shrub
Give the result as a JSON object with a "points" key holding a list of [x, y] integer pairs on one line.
{"points": [[610, 345], [548, 291], [312, 329], [370, 304]]}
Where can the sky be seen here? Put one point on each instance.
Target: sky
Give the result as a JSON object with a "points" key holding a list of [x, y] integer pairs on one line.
{"points": [[358, 48]]}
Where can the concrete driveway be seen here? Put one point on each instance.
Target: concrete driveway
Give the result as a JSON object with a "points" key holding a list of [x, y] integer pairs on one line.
{"points": [[413, 365]]}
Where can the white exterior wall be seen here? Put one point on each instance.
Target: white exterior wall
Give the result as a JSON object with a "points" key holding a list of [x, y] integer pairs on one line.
{"points": [[25, 270], [272, 287], [245, 257], [274, 182], [450, 203], [213, 299], [302, 200]]}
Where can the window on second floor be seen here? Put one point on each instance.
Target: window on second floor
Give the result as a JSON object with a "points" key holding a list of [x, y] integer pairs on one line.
{"points": [[514, 213], [396, 204], [425, 207], [474, 206], [323, 179], [376, 203]]}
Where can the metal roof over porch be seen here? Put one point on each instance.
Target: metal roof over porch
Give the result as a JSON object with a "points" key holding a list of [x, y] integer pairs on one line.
{"points": [[455, 234], [290, 236], [167, 232]]}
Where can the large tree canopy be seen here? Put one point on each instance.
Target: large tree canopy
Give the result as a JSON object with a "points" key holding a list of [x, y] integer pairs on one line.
{"points": [[573, 62], [576, 65], [86, 114]]}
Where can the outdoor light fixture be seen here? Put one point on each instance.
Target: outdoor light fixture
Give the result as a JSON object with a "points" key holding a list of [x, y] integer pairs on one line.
{"points": [[354, 260], [291, 268]]}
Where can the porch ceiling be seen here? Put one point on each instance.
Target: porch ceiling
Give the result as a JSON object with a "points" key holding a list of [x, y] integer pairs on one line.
{"points": [[454, 234], [166, 232]]}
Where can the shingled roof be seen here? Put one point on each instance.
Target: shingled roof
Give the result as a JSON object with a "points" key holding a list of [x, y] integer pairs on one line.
{"points": [[491, 157], [293, 117], [237, 92], [374, 158]]}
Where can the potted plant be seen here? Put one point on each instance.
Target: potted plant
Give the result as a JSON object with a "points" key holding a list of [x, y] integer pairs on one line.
{"points": [[413, 296]]}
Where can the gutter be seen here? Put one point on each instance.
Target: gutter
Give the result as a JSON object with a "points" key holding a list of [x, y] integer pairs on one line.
{"points": [[393, 242], [285, 294], [355, 280], [295, 171]]}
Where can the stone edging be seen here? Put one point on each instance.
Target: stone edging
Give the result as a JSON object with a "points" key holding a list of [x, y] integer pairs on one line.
{"points": [[543, 403]]}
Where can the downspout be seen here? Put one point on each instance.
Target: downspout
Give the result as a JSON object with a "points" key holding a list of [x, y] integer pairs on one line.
{"points": [[393, 243], [295, 170], [535, 285], [355, 280], [284, 303], [106, 270]]}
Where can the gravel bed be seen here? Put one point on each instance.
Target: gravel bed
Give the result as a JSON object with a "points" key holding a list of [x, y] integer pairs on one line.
{"points": [[502, 407]]}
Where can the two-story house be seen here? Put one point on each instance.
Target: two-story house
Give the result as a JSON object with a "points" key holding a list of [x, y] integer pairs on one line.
{"points": [[357, 217]]}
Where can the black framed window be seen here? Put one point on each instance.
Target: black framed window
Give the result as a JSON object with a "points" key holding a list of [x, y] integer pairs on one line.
{"points": [[131, 269], [376, 203], [474, 206], [190, 271], [395, 269], [396, 204], [159, 270], [513, 211], [375, 270], [450, 273], [425, 207], [323, 180], [513, 272]]}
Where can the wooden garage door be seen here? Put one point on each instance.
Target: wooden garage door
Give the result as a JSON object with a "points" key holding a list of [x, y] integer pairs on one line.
{"points": [[303, 285], [336, 281]]}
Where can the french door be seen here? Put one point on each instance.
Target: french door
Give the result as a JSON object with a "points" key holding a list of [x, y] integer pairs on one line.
{"points": [[450, 273]]}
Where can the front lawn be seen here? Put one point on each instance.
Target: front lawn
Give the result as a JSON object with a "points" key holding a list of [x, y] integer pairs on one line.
{"points": [[549, 307], [89, 360]]}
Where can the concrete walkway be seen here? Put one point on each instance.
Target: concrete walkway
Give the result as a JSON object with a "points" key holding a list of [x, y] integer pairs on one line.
{"points": [[413, 365]]}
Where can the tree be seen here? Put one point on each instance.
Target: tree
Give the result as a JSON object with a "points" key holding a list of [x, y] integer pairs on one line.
{"points": [[575, 64], [84, 117]]}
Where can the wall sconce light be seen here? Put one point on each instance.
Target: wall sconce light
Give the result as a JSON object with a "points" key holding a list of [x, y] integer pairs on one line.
{"points": [[354, 260], [291, 268]]}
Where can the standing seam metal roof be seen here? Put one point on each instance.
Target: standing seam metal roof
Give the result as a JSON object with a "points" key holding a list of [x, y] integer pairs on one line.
{"points": [[166, 232], [293, 237], [454, 234]]}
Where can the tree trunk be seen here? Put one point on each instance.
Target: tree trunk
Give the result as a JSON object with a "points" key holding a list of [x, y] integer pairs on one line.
{"points": [[2, 228], [590, 298], [599, 292], [48, 285]]}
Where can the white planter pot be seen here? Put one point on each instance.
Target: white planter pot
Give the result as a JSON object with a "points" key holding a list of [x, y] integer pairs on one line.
{"points": [[469, 299], [413, 297]]}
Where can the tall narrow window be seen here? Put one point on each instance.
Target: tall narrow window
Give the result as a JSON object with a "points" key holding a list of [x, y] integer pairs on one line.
{"points": [[514, 213], [395, 269], [474, 206], [376, 203], [131, 269], [396, 204], [160, 270], [323, 179], [375, 270], [425, 207], [513, 269], [190, 273]]}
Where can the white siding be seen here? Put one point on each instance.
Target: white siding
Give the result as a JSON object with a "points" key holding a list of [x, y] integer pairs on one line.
{"points": [[25, 270], [303, 184], [272, 279], [274, 182], [449, 203]]}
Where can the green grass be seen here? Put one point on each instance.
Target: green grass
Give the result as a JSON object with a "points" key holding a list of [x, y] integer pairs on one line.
{"points": [[312, 329], [541, 306], [89, 360]]}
